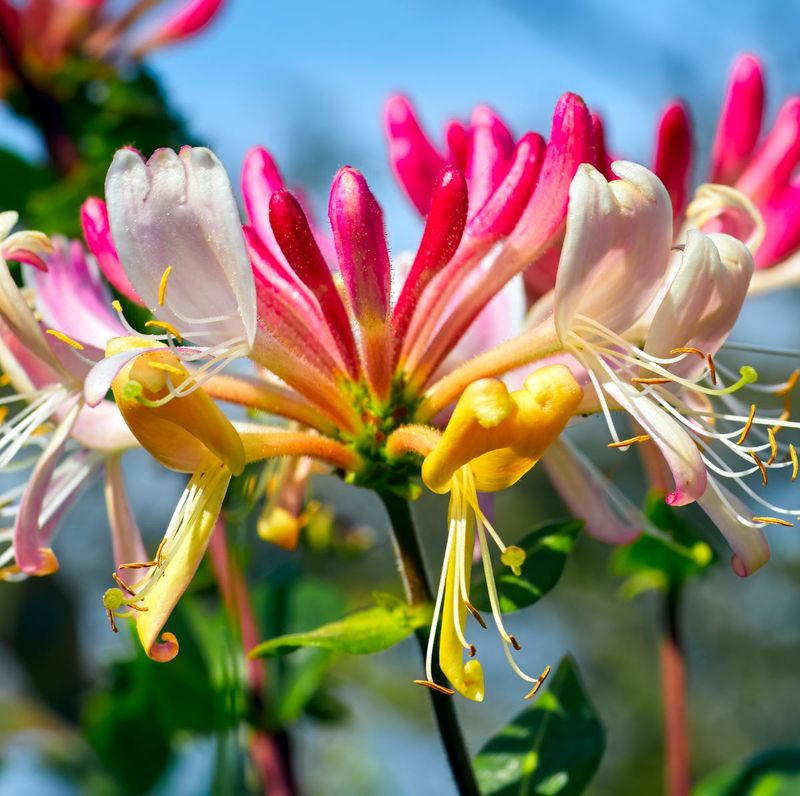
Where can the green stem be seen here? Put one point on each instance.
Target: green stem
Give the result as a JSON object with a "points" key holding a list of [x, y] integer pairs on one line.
{"points": [[418, 591]]}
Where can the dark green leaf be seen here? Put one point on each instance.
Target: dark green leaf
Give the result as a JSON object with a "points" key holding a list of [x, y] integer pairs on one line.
{"points": [[360, 633], [551, 749], [661, 562], [772, 773], [546, 551]]}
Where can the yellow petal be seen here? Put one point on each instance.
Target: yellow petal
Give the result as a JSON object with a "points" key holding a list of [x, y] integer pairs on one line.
{"points": [[501, 435], [181, 432]]}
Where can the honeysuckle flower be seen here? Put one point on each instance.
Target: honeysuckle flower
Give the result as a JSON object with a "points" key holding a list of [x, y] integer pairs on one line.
{"points": [[641, 334], [44, 357], [491, 440]]}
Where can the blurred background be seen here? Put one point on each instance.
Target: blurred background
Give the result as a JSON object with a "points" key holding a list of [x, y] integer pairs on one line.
{"points": [[308, 81]]}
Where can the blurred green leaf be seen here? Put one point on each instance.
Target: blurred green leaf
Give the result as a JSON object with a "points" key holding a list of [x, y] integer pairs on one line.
{"points": [[360, 633], [775, 772], [551, 749], [546, 551], [662, 562], [20, 179]]}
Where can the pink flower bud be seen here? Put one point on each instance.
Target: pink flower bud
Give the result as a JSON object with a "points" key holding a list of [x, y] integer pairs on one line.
{"points": [[491, 146], [672, 159], [190, 19]]}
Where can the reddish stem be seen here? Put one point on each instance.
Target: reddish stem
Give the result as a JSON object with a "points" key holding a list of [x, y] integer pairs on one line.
{"points": [[677, 772]]}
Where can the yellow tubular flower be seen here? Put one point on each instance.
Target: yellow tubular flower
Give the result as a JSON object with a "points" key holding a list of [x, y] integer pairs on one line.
{"points": [[179, 431], [492, 439]]}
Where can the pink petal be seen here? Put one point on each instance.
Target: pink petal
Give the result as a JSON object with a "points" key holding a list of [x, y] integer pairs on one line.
{"points": [[608, 515], [260, 179], [72, 298], [97, 234], [601, 152], [98, 381], [191, 18], [739, 122], [672, 159], [771, 167], [490, 151], [126, 539], [781, 214], [298, 245], [413, 158], [444, 227], [457, 139], [101, 428]]}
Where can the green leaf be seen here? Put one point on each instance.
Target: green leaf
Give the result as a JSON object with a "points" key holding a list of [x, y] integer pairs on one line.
{"points": [[775, 772], [360, 633], [660, 563], [551, 749], [546, 551]]}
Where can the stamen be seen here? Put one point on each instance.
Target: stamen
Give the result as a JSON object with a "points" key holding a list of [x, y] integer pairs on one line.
{"points": [[167, 327], [773, 521], [538, 684], [162, 286], [64, 339], [760, 466], [514, 643], [474, 611], [630, 441], [795, 463], [748, 425], [789, 386], [110, 615], [138, 565], [435, 687], [773, 446], [712, 371], [472, 650], [5, 380], [166, 367], [116, 306]]}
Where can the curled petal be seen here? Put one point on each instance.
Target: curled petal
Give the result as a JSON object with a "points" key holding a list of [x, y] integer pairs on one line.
{"points": [[704, 298], [676, 445], [616, 248], [733, 518], [28, 247], [178, 212]]}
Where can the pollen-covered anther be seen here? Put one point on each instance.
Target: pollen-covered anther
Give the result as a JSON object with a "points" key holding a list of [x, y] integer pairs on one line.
{"points": [[630, 441], [166, 368], [435, 687], [795, 462], [514, 643], [762, 469], [748, 425], [162, 286], [688, 350], [138, 565], [65, 338], [650, 380], [167, 327], [773, 444], [472, 651], [712, 369], [474, 611], [539, 682], [773, 521], [121, 583]]}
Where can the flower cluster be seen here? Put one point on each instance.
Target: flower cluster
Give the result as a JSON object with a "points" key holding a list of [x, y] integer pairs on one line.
{"points": [[386, 370]]}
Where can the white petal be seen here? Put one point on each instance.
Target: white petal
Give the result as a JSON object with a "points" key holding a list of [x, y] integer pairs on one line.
{"points": [[179, 211], [616, 247]]}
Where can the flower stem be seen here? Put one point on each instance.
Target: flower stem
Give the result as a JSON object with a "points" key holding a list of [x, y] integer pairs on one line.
{"points": [[673, 690], [418, 591]]}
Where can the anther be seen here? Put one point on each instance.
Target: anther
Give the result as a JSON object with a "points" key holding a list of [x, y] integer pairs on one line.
{"points": [[160, 552], [538, 684], [116, 305], [688, 350], [138, 565], [712, 370], [649, 380], [773, 521], [472, 650], [790, 384], [162, 285], [64, 338], [121, 583], [795, 463], [167, 327], [748, 425], [760, 465], [435, 687], [773, 446], [630, 441], [5, 380], [474, 611], [135, 607], [166, 367], [514, 643], [110, 615]]}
